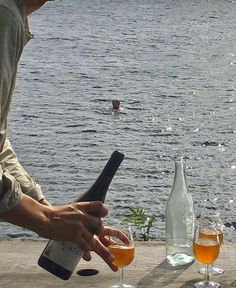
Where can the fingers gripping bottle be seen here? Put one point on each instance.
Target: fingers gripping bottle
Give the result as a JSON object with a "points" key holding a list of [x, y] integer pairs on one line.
{"points": [[61, 258], [180, 219]]}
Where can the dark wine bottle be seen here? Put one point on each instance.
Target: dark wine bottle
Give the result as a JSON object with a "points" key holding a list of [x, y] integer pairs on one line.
{"points": [[61, 258]]}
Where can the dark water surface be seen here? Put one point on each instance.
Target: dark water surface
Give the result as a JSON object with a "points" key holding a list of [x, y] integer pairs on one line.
{"points": [[173, 66]]}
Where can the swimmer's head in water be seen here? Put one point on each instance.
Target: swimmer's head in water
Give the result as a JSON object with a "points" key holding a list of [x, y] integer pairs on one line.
{"points": [[116, 104]]}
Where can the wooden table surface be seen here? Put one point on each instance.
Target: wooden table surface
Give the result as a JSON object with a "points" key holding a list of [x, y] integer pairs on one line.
{"points": [[18, 268]]}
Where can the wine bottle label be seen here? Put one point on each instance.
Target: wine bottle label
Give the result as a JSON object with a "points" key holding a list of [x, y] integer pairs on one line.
{"points": [[65, 254]]}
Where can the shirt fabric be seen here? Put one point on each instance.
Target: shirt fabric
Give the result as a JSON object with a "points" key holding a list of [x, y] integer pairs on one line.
{"points": [[14, 35]]}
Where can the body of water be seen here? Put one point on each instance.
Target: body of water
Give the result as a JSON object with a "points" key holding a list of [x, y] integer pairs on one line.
{"points": [[172, 64]]}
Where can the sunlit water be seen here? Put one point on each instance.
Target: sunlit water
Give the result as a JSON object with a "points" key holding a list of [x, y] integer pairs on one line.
{"points": [[173, 66]]}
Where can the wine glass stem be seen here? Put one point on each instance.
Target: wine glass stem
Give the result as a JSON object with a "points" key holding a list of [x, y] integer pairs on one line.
{"points": [[207, 277], [121, 277]]}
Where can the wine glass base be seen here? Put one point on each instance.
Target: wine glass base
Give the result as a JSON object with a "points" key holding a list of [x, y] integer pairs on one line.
{"points": [[120, 285], [212, 270], [206, 284]]}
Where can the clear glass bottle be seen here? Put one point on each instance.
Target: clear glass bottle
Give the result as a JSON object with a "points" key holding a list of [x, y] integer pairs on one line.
{"points": [[180, 219]]}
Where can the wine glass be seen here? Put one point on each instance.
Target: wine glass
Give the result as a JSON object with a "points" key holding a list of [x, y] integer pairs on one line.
{"points": [[215, 219], [123, 251], [206, 250]]}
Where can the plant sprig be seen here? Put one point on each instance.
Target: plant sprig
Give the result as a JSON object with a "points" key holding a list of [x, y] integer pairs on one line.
{"points": [[141, 221]]}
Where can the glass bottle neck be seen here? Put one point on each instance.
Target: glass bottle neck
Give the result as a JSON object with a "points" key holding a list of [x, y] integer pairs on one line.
{"points": [[180, 177]]}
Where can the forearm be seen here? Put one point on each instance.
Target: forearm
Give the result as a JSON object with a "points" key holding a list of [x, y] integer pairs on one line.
{"points": [[29, 214], [63, 223]]}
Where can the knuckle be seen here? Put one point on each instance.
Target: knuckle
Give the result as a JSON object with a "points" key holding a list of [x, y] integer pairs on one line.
{"points": [[100, 227], [79, 226], [72, 207], [99, 205], [84, 246], [99, 222]]}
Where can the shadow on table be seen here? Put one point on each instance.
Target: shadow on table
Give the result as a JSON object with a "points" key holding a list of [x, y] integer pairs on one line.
{"points": [[233, 284], [189, 284], [162, 275]]}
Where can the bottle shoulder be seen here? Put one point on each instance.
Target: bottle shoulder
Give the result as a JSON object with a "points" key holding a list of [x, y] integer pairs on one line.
{"points": [[178, 198]]}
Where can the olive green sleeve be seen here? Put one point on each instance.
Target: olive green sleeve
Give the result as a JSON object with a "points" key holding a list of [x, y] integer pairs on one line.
{"points": [[12, 165], [14, 180], [10, 192]]}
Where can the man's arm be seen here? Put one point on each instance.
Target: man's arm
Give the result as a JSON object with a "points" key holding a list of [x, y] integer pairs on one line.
{"points": [[11, 44], [63, 223], [67, 222]]}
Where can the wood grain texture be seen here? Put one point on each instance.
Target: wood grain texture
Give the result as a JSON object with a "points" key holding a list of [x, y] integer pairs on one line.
{"points": [[18, 268]]}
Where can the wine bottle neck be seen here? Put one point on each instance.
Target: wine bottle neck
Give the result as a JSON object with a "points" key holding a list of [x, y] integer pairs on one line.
{"points": [[97, 191]]}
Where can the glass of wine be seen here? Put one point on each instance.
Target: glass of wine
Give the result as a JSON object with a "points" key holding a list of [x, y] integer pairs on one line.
{"points": [[213, 218], [206, 250], [123, 253]]}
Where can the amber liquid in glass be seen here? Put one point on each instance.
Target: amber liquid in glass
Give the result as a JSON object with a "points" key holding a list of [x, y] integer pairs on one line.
{"points": [[124, 254], [206, 251], [212, 235]]}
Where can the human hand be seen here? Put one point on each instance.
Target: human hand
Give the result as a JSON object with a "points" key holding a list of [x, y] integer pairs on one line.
{"points": [[73, 222], [102, 241]]}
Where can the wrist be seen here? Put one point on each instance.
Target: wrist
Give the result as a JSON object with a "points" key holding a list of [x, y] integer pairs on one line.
{"points": [[44, 202], [45, 226]]}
